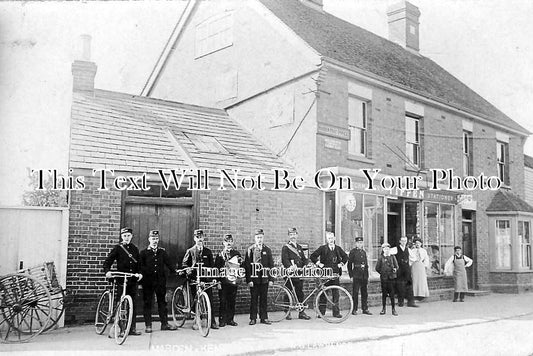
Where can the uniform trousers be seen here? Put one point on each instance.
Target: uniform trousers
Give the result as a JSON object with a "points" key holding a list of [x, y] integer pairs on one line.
{"points": [[148, 295], [323, 304], [226, 301], [387, 289], [298, 288], [259, 294], [360, 284]]}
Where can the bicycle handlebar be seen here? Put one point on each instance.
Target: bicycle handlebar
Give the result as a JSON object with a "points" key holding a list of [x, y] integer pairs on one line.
{"points": [[125, 275]]}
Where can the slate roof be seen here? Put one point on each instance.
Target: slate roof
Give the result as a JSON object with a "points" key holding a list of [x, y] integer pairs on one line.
{"points": [[505, 200], [352, 45], [528, 161], [138, 134]]}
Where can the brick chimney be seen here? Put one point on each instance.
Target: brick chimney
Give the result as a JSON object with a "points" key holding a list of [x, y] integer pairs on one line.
{"points": [[403, 25], [83, 70], [315, 4]]}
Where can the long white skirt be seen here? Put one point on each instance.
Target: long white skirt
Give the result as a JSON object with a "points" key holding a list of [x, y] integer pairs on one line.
{"points": [[420, 281]]}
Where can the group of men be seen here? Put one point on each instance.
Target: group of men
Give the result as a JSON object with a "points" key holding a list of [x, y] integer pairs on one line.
{"points": [[149, 265]]}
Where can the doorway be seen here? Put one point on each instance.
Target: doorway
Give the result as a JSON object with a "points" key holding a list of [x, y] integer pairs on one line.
{"points": [[394, 222], [469, 245]]}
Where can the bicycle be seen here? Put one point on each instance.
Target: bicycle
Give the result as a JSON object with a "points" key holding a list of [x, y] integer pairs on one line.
{"points": [[282, 301], [121, 313], [182, 308]]}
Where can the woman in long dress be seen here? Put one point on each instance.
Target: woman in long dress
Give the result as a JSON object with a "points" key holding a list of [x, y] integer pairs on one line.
{"points": [[420, 261]]}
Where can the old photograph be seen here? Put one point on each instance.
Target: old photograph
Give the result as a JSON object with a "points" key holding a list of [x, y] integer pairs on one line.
{"points": [[238, 177]]}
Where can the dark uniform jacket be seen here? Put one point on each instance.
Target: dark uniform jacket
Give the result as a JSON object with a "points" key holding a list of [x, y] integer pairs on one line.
{"points": [[330, 259], [220, 261], [290, 254], [125, 263], [358, 264], [387, 267], [266, 260], [153, 266], [191, 260], [402, 257]]}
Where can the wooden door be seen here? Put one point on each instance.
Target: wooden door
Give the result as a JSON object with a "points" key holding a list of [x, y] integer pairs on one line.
{"points": [[175, 225]]}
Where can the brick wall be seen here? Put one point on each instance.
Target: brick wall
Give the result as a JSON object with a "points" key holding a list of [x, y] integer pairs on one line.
{"points": [[93, 231]]}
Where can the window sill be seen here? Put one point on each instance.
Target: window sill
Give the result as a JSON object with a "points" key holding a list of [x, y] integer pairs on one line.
{"points": [[357, 158]]}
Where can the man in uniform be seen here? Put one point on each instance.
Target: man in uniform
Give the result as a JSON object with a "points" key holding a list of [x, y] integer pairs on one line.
{"points": [[358, 271], [292, 257], [258, 281], [127, 256], [227, 258], [404, 282], [193, 256], [153, 262], [330, 256]]}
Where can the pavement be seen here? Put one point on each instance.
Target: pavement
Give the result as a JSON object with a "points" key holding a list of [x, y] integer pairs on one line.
{"points": [[298, 336]]}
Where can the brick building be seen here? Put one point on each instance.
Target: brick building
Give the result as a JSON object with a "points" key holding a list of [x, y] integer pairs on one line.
{"points": [[135, 135], [324, 93]]}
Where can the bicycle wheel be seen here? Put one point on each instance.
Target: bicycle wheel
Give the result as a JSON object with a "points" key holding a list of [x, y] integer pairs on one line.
{"points": [[279, 302], [57, 299], [123, 318], [180, 306], [25, 307], [334, 304], [103, 312], [203, 314]]}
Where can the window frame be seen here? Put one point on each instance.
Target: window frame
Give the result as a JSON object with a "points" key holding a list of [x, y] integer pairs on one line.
{"points": [[525, 246], [502, 161], [355, 129], [417, 143], [206, 41], [468, 155], [497, 266]]}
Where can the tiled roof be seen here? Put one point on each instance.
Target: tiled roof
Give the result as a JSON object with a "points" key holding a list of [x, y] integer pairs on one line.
{"points": [[528, 161], [138, 134], [354, 46], [505, 200]]}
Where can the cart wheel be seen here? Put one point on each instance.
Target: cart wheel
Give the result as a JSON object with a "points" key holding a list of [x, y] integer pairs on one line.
{"points": [[334, 304], [103, 313], [123, 319], [25, 307], [203, 314], [279, 302], [57, 303], [180, 307]]}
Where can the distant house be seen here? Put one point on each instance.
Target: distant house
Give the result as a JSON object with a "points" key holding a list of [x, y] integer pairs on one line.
{"points": [[134, 135], [322, 92]]}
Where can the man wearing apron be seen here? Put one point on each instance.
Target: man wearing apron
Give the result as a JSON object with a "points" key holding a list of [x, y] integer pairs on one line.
{"points": [[456, 266]]}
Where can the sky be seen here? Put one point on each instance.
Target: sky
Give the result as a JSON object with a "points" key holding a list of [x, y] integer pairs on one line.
{"points": [[486, 44]]}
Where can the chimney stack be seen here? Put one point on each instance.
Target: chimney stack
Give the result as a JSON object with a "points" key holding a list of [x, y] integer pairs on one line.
{"points": [[83, 70], [315, 4], [404, 25]]}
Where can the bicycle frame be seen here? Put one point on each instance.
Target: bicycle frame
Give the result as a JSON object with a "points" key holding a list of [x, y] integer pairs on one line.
{"points": [[300, 306]]}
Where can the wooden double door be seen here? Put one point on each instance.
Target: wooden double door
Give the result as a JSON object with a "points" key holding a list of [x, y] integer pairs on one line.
{"points": [[174, 222]]}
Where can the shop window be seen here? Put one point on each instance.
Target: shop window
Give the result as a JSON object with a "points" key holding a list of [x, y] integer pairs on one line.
{"points": [[412, 222], [503, 244], [330, 212], [412, 139], [362, 215], [357, 121], [439, 234], [503, 161], [524, 234], [468, 167]]}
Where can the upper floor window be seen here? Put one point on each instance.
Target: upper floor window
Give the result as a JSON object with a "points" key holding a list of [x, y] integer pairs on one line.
{"points": [[412, 140], [468, 167], [502, 154], [213, 34], [357, 123]]}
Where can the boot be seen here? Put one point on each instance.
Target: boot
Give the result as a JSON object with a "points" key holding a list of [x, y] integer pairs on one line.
{"points": [[455, 295], [461, 297], [394, 312], [383, 311]]}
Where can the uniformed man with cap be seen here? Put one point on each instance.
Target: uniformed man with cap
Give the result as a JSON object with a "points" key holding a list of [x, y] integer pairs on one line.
{"points": [[258, 280], [153, 262], [331, 256], [127, 256], [230, 259], [293, 257], [199, 253], [358, 271]]}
